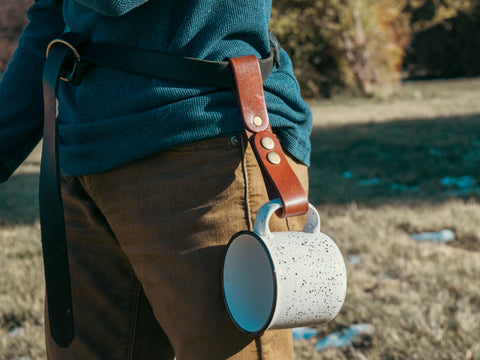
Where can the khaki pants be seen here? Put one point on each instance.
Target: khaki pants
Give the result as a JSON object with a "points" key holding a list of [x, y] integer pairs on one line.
{"points": [[146, 243]]}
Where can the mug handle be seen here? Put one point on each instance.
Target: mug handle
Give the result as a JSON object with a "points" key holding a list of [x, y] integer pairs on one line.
{"points": [[266, 211]]}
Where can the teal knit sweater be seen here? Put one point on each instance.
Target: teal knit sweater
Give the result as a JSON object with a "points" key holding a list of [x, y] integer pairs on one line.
{"points": [[113, 118]]}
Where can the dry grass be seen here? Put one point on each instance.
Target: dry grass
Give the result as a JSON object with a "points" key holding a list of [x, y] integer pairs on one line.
{"points": [[21, 293], [410, 101], [376, 175], [422, 298]]}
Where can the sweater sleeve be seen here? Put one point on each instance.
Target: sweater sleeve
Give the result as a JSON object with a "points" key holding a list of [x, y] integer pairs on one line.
{"points": [[21, 93], [112, 7]]}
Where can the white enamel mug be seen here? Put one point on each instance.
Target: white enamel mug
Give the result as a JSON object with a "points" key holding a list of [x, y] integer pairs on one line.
{"points": [[285, 279]]}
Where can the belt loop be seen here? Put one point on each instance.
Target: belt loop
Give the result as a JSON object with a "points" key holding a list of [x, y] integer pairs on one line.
{"points": [[275, 48]]}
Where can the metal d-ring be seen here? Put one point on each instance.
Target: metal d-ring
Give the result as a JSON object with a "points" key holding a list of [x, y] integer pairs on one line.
{"points": [[75, 52]]}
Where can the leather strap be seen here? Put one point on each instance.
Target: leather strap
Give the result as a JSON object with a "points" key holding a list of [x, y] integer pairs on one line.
{"points": [[280, 180], [165, 66], [52, 221], [157, 64]]}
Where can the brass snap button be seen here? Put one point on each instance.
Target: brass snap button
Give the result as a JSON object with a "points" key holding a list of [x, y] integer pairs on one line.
{"points": [[273, 158], [267, 143], [257, 120]]}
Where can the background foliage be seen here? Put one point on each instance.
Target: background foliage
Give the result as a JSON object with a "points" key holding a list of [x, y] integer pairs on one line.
{"points": [[369, 45]]}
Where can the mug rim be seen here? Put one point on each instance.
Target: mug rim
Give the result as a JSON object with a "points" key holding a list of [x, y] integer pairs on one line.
{"points": [[275, 283]]}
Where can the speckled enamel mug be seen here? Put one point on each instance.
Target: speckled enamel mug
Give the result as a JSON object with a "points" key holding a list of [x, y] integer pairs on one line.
{"points": [[282, 280]]}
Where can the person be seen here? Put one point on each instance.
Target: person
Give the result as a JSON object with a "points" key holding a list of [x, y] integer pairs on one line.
{"points": [[156, 175]]}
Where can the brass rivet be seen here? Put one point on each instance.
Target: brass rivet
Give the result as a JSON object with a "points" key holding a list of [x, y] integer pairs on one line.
{"points": [[267, 143], [257, 120], [274, 158]]}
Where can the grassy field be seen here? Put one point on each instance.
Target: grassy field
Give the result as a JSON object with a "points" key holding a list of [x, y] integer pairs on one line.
{"points": [[382, 170]]}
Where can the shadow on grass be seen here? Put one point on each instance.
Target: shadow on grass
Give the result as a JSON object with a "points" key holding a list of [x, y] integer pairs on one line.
{"points": [[399, 161]]}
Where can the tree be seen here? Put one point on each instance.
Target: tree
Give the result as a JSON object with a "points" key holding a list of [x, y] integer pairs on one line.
{"points": [[444, 38], [429, 13], [343, 43]]}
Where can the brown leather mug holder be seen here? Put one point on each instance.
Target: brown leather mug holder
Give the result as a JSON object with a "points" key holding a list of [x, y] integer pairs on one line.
{"points": [[280, 180]]}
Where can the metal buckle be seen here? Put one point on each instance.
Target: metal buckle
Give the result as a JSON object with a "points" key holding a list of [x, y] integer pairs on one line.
{"points": [[73, 69]]}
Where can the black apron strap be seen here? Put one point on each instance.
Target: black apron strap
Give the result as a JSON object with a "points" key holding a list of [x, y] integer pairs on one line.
{"points": [[52, 220], [156, 64]]}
